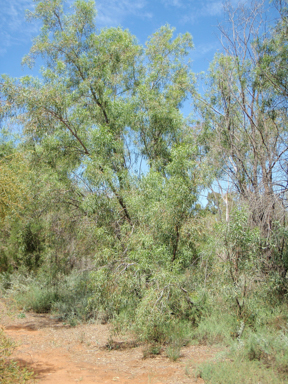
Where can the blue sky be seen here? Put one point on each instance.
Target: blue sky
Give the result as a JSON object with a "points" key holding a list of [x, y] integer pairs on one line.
{"points": [[141, 17]]}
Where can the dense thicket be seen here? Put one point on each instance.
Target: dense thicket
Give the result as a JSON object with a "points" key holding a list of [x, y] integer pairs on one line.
{"points": [[100, 200]]}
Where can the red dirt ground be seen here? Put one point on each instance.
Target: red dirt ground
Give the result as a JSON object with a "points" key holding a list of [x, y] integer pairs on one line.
{"points": [[60, 354]]}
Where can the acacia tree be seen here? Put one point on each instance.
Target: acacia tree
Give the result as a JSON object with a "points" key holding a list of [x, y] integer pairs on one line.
{"points": [[96, 90], [245, 128], [273, 53], [103, 103], [249, 142]]}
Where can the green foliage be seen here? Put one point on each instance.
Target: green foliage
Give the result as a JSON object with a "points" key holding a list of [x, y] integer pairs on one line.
{"points": [[273, 59], [152, 350], [13, 190]]}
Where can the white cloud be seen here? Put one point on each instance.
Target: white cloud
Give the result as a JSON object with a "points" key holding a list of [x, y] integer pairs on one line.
{"points": [[205, 52], [174, 3], [203, 49], [114, 12], [13, 26], [196, 10], [216, 7], [213, 8]]}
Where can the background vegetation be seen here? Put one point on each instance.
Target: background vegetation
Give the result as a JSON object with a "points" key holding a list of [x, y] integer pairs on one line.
{"points": [[102, 214]]}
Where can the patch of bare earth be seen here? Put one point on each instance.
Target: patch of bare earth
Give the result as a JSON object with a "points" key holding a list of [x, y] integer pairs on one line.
{"points": [[59, 354]]}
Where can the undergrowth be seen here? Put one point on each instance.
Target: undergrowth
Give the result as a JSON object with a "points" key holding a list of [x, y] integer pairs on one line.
{"points": [[10, 371], [167, 318], [254, 352], [238, 372], [66, 297]]}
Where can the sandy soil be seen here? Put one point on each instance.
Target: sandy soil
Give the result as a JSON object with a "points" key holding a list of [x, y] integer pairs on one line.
{"points": [[60, 354]]}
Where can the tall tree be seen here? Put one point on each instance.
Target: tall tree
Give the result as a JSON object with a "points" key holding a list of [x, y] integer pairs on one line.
{"points": [[245, 124], [98, 92], [103, 103], [249, 143]]}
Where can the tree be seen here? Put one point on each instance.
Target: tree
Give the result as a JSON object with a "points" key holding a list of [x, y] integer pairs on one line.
{"points": [[103, 104], [247, 140], [272, 71], [273, 56], [99, 92], [250, 143]]}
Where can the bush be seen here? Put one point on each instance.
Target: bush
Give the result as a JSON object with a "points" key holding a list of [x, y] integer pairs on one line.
{"points": [[36, 299]]}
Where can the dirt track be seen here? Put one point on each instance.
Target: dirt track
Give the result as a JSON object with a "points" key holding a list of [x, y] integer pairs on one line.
{"points": [[59, 354]]}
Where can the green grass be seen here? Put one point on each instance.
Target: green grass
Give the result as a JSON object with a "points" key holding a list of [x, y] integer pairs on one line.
{"points": [[238, 372], [257, 352], [173, 351], [67, 296]]}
